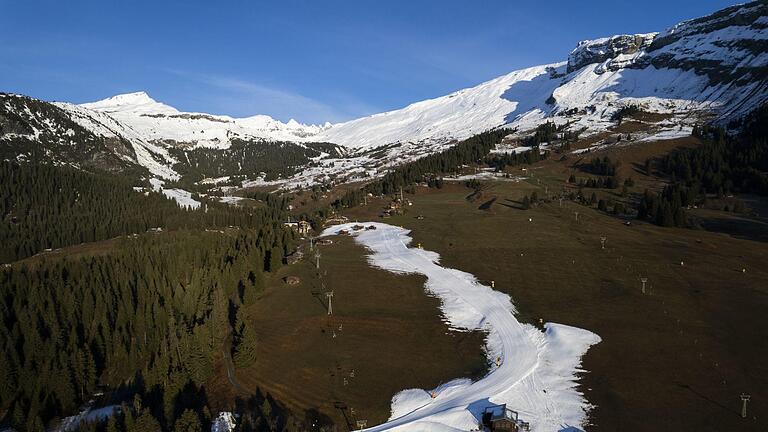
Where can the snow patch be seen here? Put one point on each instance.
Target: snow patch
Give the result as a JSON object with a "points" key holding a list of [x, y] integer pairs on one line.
{"points": [[183, 198], [72, 423], [225, 422]]}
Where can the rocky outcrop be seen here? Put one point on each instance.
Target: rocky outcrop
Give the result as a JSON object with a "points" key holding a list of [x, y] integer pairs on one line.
{"points": [[618, 51], [727, 46]]}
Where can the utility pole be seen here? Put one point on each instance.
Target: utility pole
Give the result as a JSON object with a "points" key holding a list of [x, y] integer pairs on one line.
{"points": [[744, 399], [401, 195], [643, 280], [329, 296], [317, 256]]}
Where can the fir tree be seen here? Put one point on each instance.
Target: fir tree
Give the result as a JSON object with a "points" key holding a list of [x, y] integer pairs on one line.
{"points": [[245, 348], [188, 422]]}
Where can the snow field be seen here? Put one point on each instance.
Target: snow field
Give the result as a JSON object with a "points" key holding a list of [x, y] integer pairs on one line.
{"points": [[183, 198]]}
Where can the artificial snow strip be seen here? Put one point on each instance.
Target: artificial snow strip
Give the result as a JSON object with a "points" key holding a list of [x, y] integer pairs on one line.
{"points": [[536, 373]]}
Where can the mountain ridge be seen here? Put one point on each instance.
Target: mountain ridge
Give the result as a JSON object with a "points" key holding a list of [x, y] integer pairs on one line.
{"points": [[714, 66]]}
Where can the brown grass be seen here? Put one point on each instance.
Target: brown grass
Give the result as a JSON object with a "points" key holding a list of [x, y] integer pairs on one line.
{"points": [[387, 330], [674, 359]]}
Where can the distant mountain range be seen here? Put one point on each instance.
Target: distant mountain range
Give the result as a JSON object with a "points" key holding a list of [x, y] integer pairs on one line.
{"points": [[714, 67]]}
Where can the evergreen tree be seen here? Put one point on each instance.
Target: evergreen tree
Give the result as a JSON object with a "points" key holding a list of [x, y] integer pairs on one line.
{"points": [[188, 422], [145, 422], [275, 257], [245, 348]]}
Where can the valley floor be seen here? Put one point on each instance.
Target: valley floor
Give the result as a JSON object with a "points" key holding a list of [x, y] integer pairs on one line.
{"points": [[674, 358]]}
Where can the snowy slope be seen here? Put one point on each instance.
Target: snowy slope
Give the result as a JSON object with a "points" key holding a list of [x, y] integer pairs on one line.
{"points": [[537, 372], [158, 122], [716, 63], [153, 157], [458, 115]]}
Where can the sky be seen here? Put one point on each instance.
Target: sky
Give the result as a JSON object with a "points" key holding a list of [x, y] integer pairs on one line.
{"points": [[314, 61]]}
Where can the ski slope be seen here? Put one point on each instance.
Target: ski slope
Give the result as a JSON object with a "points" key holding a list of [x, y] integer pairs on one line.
{"points": [[537, 373]]}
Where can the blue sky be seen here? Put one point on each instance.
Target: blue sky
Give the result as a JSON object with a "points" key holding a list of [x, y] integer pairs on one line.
{"points": [[313, 61]]}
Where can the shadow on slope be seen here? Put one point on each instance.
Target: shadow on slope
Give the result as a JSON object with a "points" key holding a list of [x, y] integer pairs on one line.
{"points": [[530, 96]]}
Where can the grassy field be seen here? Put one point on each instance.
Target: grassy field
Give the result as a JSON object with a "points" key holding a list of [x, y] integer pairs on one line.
{"points": [[388, 337], [674, 358]]}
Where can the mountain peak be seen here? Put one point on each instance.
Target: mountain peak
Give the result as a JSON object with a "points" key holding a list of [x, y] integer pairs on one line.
{"points": [[139, 102]]}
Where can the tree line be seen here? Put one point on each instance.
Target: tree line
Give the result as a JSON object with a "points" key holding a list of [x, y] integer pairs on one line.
{"points": [[44, 206], [723, 164], [472, 150], [247, 159]]}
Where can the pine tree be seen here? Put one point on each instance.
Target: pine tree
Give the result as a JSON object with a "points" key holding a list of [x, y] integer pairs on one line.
{"points": [[188, 422], [266, 408], [679, 217], [112, 425], [666, 218], [275, 259], [245, 348], [145, 422]]}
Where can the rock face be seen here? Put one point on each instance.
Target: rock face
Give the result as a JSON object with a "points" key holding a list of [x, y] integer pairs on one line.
{"points": [[727, 46], [616, 50]]}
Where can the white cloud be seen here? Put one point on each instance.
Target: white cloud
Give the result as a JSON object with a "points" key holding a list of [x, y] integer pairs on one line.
{"points": [[241, 97]]}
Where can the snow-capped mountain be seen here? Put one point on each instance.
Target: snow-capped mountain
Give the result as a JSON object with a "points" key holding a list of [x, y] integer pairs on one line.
{"points": [[158, 122], [710, 67], [714, 64]]}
